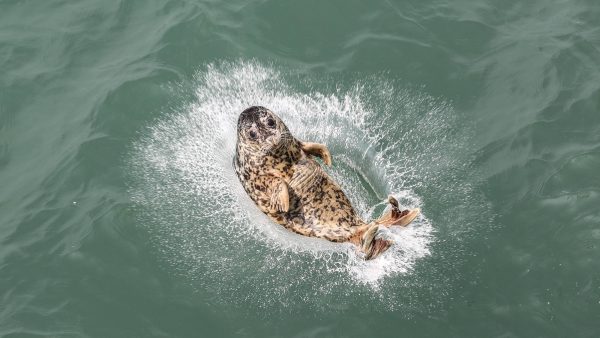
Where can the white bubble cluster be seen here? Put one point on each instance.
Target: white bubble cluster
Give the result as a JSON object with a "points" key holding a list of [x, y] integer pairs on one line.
{"points": [[384, 140]]}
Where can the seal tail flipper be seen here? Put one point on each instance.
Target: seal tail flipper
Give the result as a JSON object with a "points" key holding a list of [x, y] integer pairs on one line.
{"points": [[397, 217], [373, 244]]}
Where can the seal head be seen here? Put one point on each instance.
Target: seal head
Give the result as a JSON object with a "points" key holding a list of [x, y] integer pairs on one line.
{"points": [[262, 132]]}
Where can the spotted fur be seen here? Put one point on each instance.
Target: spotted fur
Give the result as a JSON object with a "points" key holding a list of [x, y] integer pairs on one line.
{"points": [[281, 176]]}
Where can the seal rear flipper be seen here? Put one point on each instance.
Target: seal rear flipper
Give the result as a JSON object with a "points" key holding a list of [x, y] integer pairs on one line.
{"points": [[317, 149], [397, 217], [373, 243]]}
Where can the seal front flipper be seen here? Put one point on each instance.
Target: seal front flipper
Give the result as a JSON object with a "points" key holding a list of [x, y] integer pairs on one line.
{"points": [[317, 149], [280, 196]]}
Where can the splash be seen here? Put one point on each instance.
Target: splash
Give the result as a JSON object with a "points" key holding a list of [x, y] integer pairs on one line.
{"points": [[383, 140]]}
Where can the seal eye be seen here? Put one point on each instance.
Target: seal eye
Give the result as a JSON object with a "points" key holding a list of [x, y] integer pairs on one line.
{"points": [[252, 134], [271, 122]]}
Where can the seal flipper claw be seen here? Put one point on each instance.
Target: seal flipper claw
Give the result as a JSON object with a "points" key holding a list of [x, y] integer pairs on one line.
{"points": [[280, 196], [317, 149]]}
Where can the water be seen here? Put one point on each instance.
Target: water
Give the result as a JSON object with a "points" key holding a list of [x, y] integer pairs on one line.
{"points": [[120, 215]]}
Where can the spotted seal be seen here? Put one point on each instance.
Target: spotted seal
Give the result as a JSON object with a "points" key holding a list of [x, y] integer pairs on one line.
{"points": [[281, 176]]}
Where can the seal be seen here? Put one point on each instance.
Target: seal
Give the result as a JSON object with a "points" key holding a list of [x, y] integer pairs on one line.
{"points": [[281, 175]]}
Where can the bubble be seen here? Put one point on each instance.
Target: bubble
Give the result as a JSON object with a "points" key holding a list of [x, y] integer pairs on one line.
{"points": [[383, 140]]}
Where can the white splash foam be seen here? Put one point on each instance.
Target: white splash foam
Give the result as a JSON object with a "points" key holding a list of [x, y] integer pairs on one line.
{"points": [[206, 227]]}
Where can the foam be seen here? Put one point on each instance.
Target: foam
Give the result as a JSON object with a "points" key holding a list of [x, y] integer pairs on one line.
{"points": [[205, 227]]}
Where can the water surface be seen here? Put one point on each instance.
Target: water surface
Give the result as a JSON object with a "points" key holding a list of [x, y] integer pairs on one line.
{"points": [[120, 215]]}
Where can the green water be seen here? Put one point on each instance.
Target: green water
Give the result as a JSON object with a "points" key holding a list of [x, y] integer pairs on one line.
{"points": [[120, 215]]}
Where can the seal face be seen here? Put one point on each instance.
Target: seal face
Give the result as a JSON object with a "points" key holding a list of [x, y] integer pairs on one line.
{"points": [[281, 176]]}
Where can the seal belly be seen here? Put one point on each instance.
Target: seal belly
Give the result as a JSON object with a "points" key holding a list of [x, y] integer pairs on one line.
{"points": [[318, 206]]}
